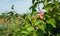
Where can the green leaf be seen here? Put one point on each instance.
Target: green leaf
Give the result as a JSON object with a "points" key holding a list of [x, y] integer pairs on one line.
{"points": [[56, 3], [47, 0], [23, 31], [38, 22], [45, 3], [52, 22], [58, 34], [58, 12], [58, 17], [29, 29], [42, 27], [33, 20], [12, 7], [47, 8], [35, 34]]}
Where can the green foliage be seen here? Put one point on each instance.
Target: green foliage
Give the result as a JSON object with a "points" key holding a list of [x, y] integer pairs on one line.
{"points": [[51, 21], [31, 24]]}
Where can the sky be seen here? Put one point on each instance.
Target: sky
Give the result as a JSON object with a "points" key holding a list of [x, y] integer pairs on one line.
{"points": [[20, 6]]}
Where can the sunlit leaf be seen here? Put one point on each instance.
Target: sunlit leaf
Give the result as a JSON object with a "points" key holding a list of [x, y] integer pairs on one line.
{"points": [[38, 22], [30, 29], [35, 34], [42, 27], [58, 34], [58, 17], [47, 8], [52, 22], [23, 31]]}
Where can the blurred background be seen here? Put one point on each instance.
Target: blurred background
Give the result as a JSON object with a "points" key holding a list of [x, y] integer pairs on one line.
{"points": [[20, 6]]}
